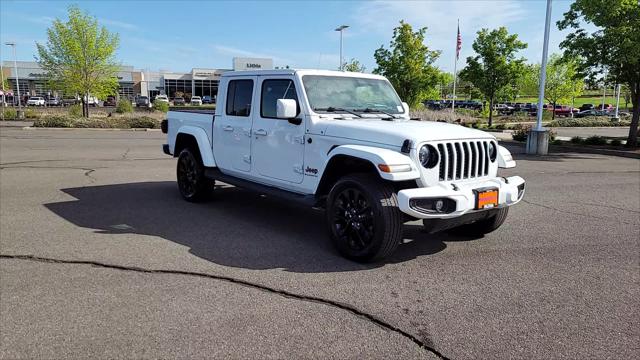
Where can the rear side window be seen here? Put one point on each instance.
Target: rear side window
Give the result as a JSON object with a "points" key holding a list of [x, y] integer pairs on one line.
{"points": [[272, 90], [239, 95]]}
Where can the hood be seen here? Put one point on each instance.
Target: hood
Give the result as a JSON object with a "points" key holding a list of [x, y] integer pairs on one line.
{"points": [[395, 132]]}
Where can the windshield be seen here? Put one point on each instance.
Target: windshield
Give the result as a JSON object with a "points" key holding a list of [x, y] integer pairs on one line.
{"points": [[351, 93]]}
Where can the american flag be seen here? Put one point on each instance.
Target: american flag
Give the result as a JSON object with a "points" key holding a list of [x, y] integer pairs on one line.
{"points": [[459, 44]]}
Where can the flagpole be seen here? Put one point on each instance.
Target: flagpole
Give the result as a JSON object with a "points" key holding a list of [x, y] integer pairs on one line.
{"points": [[455, 72]]}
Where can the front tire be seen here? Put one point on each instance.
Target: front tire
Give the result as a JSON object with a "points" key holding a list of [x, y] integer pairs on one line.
{"points": [[363, 217], [193, 186]]}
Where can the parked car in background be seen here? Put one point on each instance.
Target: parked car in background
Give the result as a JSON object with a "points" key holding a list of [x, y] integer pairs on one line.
{"points": [[111, 101], [36, 101], [53, 101], [504, 109], [590, 112], [584, 107], [433, 104], [162, 98], [564, 110], [196, 100], [68, 101], [178, 101], [92, 101], [207, 99], [143, 101], [606, 107]]}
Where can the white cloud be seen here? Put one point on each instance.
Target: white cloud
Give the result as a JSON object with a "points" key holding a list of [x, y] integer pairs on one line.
{"points": [[116, 23]]}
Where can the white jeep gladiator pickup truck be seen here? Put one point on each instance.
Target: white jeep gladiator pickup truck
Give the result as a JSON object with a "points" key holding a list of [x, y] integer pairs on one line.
{"points": [[343, 142]]}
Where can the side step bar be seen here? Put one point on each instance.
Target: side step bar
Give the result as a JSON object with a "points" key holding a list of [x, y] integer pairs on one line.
{"points": [[305, 200]]}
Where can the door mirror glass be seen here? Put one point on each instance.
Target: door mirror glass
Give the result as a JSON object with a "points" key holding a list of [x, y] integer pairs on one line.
{"points": [[405, 106], [286, 108]]}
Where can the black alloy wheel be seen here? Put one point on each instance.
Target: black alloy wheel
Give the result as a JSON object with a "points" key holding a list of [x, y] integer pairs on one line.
{"points": [[192, 184], [363, 218], [353, 219]]}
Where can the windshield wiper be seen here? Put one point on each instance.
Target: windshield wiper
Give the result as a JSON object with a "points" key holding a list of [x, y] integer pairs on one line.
{"points": [[333, 109], [370, 110]]}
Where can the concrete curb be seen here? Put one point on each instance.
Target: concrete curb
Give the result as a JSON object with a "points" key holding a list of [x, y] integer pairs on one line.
{"points": [[581, 149], [91, 129]]}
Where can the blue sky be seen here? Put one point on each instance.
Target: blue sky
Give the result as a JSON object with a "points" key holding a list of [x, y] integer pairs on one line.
{"points": [[180, 35]]}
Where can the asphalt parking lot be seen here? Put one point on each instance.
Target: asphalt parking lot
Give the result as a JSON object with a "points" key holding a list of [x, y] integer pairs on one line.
{"points": [[101, 258]]}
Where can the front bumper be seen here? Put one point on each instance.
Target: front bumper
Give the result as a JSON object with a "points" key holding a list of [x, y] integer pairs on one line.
{"points": [[510, 192]]}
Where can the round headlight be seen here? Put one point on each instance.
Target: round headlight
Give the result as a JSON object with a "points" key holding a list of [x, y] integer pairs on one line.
{"points": [[428, 156], [493, 151]]}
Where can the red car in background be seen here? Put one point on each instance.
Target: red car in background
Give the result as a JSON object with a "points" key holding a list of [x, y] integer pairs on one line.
{"points": [[564, 110]]}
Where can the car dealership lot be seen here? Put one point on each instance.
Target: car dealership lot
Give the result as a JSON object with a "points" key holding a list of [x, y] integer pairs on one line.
{"points": [[94, 214]]}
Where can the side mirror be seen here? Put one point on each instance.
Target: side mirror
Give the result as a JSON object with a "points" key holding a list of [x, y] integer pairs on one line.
{"points": [[286, 109], [405, 106]]}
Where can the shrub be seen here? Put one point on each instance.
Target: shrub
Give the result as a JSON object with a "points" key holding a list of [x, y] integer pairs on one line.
{"points": [[75, 110], [30, 114], [124, 106], [500, 127], [595, 140], [577, 140], [56, 121], [616, 142], [10, 114], [590, 121], [520, 133], [160, 106], [143, 122]]}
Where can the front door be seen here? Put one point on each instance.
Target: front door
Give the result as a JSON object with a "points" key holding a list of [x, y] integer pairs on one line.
{"points": [[234, 126], [278, 145]]}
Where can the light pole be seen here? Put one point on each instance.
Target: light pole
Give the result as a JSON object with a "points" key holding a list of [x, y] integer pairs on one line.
{"points": [[538, 139], [340, 29], [15, 67], [4, 94]]}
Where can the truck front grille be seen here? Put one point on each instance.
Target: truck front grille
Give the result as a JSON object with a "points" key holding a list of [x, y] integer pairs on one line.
{"points": [[463, 160]]}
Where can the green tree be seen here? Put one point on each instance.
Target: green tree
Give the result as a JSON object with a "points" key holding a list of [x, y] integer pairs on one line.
{"points": [[79, 57], [562, 82], [614, 48], [495, 66], [445, 83], [528, 81], [354, 66], [408, 64]]}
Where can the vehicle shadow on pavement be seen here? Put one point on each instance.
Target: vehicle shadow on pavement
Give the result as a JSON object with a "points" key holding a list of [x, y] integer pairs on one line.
{"points": [[235, 228]]}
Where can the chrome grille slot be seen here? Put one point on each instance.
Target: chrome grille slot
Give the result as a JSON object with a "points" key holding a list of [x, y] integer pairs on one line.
{"points": [[463, 160]]}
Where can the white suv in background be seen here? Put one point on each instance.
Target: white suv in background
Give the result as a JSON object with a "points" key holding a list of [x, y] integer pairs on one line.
{"points": [[162, 98], [35, 101], [196, 100]]}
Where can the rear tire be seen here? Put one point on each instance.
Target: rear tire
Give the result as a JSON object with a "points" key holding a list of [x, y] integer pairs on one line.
{"points": [[484, 226], [193, 186], [363, 218]]}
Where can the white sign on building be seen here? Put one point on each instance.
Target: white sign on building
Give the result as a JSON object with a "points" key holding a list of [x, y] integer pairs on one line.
{"points": [[252, 63]]}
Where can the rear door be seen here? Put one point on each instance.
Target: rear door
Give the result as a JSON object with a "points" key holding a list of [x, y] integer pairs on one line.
{"points": [[233, 128]]}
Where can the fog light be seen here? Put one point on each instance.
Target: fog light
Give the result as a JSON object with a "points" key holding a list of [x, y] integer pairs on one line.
{"points": [[433, 206]]}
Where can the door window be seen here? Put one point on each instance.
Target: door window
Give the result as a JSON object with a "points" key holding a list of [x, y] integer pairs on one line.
{"points": [[239, 96], [275, 89]]}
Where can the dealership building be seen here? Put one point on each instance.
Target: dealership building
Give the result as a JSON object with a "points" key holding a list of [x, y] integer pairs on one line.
{"points": [[198, 82]]}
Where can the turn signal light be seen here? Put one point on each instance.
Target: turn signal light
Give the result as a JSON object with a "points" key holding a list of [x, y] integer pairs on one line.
{"points": [[394, 168]]}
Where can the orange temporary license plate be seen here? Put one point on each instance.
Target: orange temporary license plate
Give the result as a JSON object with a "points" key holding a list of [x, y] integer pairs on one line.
{"points": [[486, 198]]}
